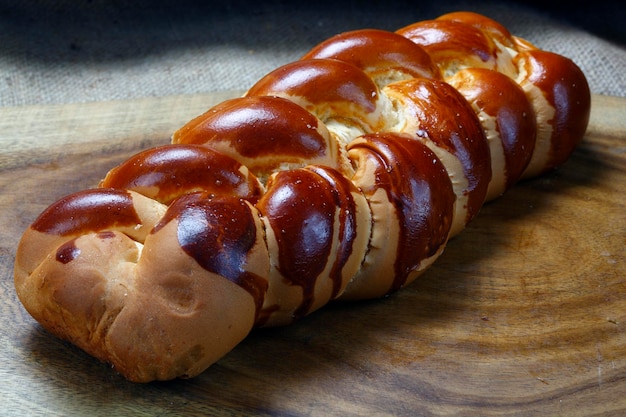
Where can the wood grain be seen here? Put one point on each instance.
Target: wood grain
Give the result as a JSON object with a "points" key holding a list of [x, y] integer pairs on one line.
{"points": [[524, 314]]}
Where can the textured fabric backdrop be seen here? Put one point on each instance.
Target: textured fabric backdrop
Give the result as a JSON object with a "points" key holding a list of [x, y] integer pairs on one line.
{"points": [[78, 51]]}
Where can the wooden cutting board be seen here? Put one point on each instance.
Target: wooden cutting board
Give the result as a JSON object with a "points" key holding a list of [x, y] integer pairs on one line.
{"points": [[525, 313]]}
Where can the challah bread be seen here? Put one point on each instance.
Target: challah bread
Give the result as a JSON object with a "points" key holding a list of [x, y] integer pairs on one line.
{"points": [[339, 176], [555, 87]]}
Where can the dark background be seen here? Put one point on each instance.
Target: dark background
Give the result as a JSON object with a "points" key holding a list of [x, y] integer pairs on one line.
{"points": [[113, 40]]}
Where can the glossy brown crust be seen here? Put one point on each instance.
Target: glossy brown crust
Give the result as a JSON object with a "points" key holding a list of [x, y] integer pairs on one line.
{"points": [[418, 186], [166, 172], [494, 29], [218, 233], [180, 317], [88, 211], [118, 300], [302, 207], [262, 133], [326, 87], [450, 41], [566, 89], [446, 120], [377, 52], [342, 191], [338, 176], [501, 98], [96, 211]]}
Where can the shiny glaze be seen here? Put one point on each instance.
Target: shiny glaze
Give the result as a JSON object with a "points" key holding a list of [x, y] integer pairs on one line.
{"points": [[67, 252], [326, 85], [418, 185], [218, 233], [502, 98], [450, 41], [341, 190], [88, 211], [377, 52], [166, 172], [311, 211], [300, 206], [565, 87], [492, 28], [446, 119], [273, 129]]}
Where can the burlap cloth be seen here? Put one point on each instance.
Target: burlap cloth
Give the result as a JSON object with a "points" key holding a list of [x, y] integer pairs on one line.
{"points": [[78, 51]]}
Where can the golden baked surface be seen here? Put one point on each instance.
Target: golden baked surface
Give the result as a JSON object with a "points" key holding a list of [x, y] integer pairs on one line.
{"points": [[339, 176]]}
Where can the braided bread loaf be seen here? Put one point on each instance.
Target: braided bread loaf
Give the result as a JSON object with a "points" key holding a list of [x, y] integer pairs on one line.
{"points": [[339, 176]]}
